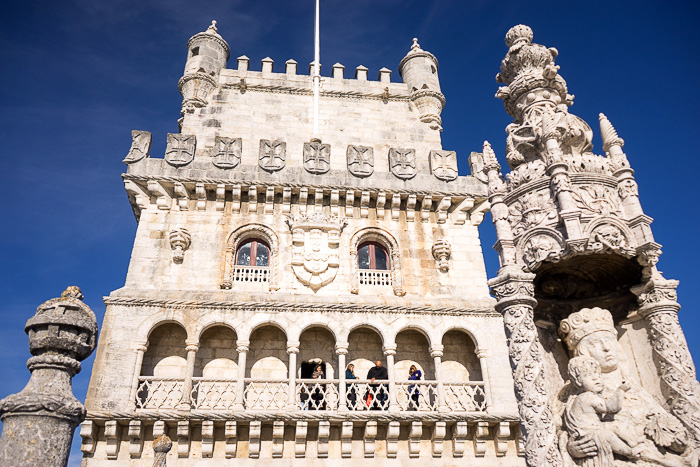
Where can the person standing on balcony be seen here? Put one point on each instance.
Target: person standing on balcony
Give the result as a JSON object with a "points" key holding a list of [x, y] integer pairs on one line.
{"points": [[349, 388], [378, 372], [318, 393], [413, 390]]}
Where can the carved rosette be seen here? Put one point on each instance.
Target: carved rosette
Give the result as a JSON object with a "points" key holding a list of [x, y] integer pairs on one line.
{"points": [[659, 308], [514, 291], [180, 240], [315, 241]]}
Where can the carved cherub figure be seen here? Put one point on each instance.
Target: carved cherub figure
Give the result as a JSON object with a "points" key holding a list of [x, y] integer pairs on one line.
{"points": [[584, 412]]}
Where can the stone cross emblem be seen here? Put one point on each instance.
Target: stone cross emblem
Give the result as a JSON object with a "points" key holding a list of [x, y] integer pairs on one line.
{"points": [[180, 149], [317, 157], [227, 152], [360, 160], [140, 146], [443, 164], [272, 154], [403, 162]]}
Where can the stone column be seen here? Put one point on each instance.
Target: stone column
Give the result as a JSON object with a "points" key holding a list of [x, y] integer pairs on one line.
{"points": [[292, 350], [39, 421], [659, 308], [436, 353], [141, 348], [514, 291], [342, 350], [481, 355], [191, 348], [242, 348], [390, 352]]}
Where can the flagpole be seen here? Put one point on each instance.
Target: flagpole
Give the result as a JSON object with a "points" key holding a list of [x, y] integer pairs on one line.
{"points": [[317, 74]]}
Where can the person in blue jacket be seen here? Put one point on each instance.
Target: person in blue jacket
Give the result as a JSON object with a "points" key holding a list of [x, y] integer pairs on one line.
{"points": [[349, 388], [413, 391]]}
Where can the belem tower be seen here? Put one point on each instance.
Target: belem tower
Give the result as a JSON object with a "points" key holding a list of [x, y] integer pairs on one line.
{"points": [[321, 299]]}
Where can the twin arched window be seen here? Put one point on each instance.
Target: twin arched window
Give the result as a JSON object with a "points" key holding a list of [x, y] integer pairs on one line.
{"points": [[372, 255], [253, 252]]}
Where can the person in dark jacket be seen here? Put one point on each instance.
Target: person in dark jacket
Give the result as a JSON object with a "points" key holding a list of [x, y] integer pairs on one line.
{"points": [[349, 389], [413, 391], [378, 372]]}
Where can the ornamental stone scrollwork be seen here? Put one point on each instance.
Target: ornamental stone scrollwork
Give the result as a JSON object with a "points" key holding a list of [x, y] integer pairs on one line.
{"points": [[317, 157], [360, 160], [533, 209], [630, 426], [180, 149], [541, 245], [140, 146], [627, 187], [402, 163], [227, 152], [609, 238], [442, 252], [273, 154], [315, 241], [596, 200], [443, 164], [180, 240]]}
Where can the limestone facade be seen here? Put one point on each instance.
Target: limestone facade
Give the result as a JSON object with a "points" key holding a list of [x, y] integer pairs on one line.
{"points": [[262, 253]]}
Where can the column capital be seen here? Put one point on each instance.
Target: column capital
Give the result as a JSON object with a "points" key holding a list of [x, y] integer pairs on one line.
{"points": [[389, 350], [293, 347], [192, 347], [437, 351], [482, 352], [341, 348], [513, 286], [242, 346], [656, 296], [140, 345]]}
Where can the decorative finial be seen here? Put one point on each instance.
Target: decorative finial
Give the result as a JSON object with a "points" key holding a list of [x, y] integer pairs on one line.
{"points": [[213, 26], [518, 34], [607, 131], [490, 157], [415, 45], [72, 291]]}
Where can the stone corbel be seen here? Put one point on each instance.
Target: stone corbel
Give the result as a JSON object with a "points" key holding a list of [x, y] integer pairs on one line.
{"points": [[159, 428], [462, 211], [411, 208], [182, 194], [220, 196], [346, 440], [392, 439], [369, 438], [135, 435], [426, 206], [254, 439], [230, 436], [442, 209], [207, 438], [381, 202], [269, 200], [252, 200], [111, 439], [395, 206], [236, 198], [364, 205], [335, 199], [201, 194], [324, 433], [349, 203], [163, 197], [277, 438], [88, 430], [414, 437], [502, 435], [439, 438], [442, 251], [180, 240], [300, 439], [183, 438], [480, 435], [476, 215], [459, 439], [139, 196], [286, 200]]}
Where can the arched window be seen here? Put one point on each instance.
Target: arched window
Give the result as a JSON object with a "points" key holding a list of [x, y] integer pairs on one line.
{"points": [[372, 255], [253, 253]]}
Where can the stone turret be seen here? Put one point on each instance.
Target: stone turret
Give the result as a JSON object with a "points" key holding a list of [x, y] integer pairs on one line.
{"points": [[207, 54], [419, 70], [39, 421]]}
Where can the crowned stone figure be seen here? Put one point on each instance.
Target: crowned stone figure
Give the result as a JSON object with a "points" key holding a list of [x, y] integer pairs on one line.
{"points": [[659, 437]]}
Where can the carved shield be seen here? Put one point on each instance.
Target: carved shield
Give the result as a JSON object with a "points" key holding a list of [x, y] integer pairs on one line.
{"points": [[140, 146], [227, 152], [317, 157], [443, 164], [360, 160], [273, 154], [180, 149], [403, 162], [315, 241]]}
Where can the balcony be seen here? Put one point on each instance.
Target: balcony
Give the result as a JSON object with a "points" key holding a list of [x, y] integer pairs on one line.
{"points": [[252, 274], [374, 277]]}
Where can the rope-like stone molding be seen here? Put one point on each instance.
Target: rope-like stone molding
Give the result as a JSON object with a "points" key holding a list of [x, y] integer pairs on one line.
{"points": [[297, 307], [309, 92], [242, 416], [229, 182]]}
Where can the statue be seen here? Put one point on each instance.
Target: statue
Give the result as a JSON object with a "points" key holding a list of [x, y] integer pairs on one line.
{"points": [[630, 427]]}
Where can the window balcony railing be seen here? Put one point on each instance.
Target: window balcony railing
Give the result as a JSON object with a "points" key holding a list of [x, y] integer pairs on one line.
{"points": [[213, 394], [254, 274], [374, 277], [310, 394]]}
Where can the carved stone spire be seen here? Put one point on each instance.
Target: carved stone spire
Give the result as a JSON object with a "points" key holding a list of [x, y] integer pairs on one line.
{"points": [[38, 422], [607, 131]]}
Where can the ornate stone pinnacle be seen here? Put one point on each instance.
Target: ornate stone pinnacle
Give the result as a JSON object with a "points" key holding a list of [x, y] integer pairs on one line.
{"points": [[608, 133], [213, 26], [490, 160], [518, 34]]}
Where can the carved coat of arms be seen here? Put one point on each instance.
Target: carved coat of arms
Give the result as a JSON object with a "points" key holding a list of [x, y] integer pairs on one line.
{"points": [[315, 242], [403, 162], [360, 160], [273, 154], [179, 149], [140, 146], [227, 152], [443, 164], [317, 157]]}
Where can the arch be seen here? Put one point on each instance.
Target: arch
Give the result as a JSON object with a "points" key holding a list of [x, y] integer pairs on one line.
{"points": [[317, 342], [459, 358], [319, 324], [418, 328], [268, 345], [413, 347], [148, 325], [247, 232], [166, 355], [389, 242], [217, 356], [477, 345], [365, 346]]}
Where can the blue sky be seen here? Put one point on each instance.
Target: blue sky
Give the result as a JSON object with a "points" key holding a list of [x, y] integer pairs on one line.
{"points": [[78, 76]]}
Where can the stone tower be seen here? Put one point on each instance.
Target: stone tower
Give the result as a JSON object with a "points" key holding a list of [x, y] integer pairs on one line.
{"points": [[578, 284], [265, 264]]}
